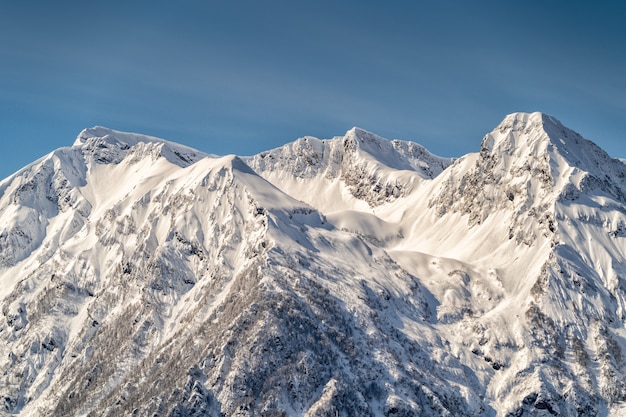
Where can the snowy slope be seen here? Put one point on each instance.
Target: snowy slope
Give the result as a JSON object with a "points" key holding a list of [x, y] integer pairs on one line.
{"points": [[350, 276]]}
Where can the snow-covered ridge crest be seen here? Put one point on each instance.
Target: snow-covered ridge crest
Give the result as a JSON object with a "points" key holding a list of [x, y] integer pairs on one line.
{"points": [[307, 156], [516, 128], [113, 136], [358, 170], [397, 154], [108, 145]]}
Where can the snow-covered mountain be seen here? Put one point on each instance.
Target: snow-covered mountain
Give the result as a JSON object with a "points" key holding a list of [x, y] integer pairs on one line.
{"points": [[349, 276]]}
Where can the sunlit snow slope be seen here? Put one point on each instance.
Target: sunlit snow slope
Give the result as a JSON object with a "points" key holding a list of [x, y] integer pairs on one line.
{"points": [[348, 276]]}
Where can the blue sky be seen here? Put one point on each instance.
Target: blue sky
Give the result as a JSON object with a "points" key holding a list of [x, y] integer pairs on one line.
{"points": [[244, 76]]}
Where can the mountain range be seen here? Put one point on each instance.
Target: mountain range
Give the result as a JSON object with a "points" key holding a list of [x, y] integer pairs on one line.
{"points": [[353, 276]]}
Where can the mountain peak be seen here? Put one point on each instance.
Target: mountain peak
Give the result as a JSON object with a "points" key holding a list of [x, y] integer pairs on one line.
{"points": [[529, 136], [357, 138], [109, 145], [113, 136], [519, 129], [396, 154], [523, 120], [362, 134]]}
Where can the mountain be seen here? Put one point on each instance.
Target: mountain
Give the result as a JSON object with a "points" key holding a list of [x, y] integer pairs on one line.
{"points": [[349, 276], [359, 170]]}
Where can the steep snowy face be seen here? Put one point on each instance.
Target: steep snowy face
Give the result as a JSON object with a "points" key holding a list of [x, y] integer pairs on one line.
{"points": [[543, 210], [357, 171], [66, 183], [517, 171], [145, 249], [580, 293], [525, 165], [571, 159]]}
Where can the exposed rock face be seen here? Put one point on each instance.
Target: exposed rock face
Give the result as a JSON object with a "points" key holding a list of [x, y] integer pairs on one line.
{"points": [[351, 276]]}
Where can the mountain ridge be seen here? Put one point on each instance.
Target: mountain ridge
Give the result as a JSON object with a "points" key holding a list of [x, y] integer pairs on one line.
{"points": [[346, 276]]}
